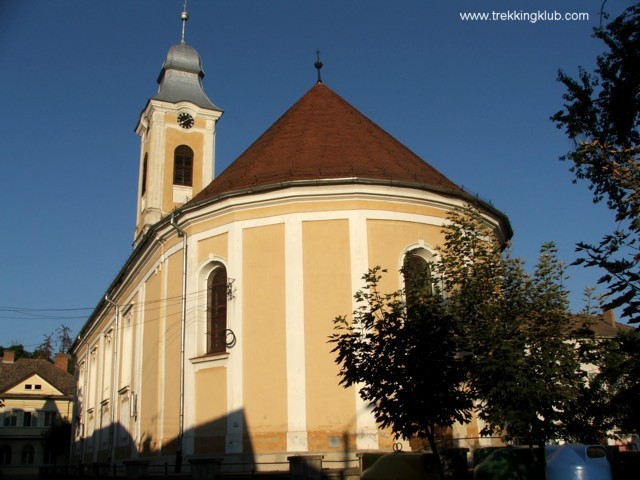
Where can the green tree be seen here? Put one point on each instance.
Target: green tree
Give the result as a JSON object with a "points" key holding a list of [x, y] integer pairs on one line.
{"points": [[64, 339], [404, 358], [57, 439], [620, 373], [46, 348], [601, 115], [516, 328], [552, 360]]}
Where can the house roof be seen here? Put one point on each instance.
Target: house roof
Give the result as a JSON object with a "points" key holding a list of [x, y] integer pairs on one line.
{"points": [[601, 325], [322, 137], [13, 373]]}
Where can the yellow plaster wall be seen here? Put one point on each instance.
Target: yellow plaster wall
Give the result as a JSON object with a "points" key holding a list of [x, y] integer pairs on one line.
{"points": [[265, 383], [211, 410], [149, 390], [217, 246], [172, 347], [64, 407], [327, 294], [46, 387]]}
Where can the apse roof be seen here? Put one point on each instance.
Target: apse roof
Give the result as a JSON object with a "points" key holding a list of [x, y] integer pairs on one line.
{"points": [[322, 137]]}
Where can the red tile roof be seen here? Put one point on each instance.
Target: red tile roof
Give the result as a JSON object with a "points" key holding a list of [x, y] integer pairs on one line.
{"points": [[322, 137], [14, 372]]}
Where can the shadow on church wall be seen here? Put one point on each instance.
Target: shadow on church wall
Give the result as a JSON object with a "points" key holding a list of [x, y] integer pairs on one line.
{"points": [[91, 457]]}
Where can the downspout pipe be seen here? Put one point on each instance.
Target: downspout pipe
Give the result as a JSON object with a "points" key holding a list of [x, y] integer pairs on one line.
{"points": [[114, 378], [183, 234]]}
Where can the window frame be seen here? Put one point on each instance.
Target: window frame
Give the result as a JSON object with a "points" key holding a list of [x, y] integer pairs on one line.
{"points": [[425, 252], [183, 166], [216, 343], [10, 418]]}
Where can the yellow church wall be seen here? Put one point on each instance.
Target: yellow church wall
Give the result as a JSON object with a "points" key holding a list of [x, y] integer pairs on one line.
{"points": [[172, 347], [217, 246], [327, 293], [150, 375], [264, 340], [211, 410]]}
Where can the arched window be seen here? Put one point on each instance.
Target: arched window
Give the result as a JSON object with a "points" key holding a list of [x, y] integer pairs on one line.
{"points": [[5, 455], [143, 187], [28, 453], [183, 166], [417, 276], [217, 310]]}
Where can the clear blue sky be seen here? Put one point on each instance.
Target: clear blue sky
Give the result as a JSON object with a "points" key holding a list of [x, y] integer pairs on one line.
{"points": [[471, 98]]}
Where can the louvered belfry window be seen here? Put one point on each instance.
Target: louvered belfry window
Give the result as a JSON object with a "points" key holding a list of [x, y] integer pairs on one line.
{"points": [[143, 187], [183, 166], [217, 311]]}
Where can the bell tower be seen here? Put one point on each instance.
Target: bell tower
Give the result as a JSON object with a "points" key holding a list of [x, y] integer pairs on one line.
{"points": [[177, 131]]}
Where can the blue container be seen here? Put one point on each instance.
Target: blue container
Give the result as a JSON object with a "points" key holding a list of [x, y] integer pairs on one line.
{"points": [[577, 462]]}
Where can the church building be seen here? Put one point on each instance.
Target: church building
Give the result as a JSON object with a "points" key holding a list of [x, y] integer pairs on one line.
{"points": [[212, 339]]}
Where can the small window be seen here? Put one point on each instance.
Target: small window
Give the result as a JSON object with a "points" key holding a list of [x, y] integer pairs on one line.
{"points": [[30, 419], [28, 386], [49, 418], [37, 387], [183, 166], [10, 418], [217, 311]]}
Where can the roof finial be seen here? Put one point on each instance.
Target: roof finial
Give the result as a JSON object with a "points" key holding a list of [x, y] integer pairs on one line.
{"points": [[318, 65], [184, 16]]}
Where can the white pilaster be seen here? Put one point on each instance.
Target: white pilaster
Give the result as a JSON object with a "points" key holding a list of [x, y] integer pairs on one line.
{"points": [[295, 339], [366, 428], [235, 395]]}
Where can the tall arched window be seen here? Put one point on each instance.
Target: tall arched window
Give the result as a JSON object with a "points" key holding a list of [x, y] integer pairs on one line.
{"points": [[183, 166], [5, 455], [28, 454], [217, 310], [417, 276]]}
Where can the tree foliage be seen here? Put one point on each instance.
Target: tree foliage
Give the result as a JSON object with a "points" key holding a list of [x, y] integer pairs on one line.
{"points": [[479, 330], [620, 373], [524, 367], [403, 359], [601, 115], [57, 439], [58, 341]]}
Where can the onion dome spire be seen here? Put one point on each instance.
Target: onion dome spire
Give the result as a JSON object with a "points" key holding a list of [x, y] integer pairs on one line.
{"points": [[184, 16], [182, 73]]}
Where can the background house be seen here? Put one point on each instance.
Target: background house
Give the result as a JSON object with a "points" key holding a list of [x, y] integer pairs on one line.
{"points": [[34, 393]]}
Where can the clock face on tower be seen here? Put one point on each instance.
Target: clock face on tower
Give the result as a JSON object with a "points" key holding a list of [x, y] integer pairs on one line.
{"points": [[185, 120]]}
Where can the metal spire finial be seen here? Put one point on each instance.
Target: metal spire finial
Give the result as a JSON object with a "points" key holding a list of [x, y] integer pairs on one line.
{"points": [[184, 16], [318, 65]]}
